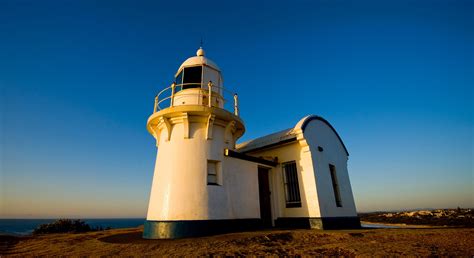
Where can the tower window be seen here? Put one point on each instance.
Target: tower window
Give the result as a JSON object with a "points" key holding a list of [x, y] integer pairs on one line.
{"points": [[192, 77], [213, 172], [292, 189], [335, 185]]}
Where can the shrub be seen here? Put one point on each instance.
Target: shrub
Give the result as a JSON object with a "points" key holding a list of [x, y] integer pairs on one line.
{"points": [[63, 226]]}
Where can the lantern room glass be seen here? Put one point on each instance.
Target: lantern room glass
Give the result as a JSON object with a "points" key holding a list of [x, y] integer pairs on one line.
{"points": [[189, 77]]}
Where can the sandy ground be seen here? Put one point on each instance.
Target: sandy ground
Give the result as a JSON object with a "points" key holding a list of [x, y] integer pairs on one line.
{"points": [[363, 242]]}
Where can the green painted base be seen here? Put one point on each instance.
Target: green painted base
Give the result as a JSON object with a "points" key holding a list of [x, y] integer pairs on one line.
{"points": [[319, 223], [195, 228]]}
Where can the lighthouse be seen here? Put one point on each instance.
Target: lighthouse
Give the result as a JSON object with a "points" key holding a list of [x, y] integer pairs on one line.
{"points": [[204, 183], [192, 128]]}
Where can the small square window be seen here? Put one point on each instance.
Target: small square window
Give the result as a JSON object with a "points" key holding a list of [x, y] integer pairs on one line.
{"points": [[213, 172]]}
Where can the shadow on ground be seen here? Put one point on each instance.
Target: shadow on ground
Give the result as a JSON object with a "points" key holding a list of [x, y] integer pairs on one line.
{"points": [[125, 238], [7, 242]]}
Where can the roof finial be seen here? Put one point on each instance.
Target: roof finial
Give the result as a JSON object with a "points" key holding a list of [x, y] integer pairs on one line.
{"points": [[200, 51]]}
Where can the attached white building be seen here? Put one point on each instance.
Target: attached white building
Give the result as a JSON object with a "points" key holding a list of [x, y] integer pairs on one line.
{"points": [[206, 184]]}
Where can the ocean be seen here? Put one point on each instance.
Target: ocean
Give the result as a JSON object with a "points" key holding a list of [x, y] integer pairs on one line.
{"points": [[26, 226], [376, 225]]}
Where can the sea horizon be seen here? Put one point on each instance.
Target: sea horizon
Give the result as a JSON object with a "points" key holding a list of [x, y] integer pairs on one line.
{"points": [[75, 218], [25, 226]]}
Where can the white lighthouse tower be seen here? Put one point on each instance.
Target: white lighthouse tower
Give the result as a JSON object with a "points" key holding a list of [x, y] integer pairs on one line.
{"points": [[192, 128]]}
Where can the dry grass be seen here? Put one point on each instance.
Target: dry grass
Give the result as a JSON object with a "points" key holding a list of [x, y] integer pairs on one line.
{"points": [[364, 242]]}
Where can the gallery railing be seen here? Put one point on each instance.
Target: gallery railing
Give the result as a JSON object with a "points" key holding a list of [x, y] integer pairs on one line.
{"points": [[165, 98]]}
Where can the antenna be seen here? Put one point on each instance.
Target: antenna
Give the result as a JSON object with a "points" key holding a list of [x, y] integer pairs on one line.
{"points": [[201, 43]]}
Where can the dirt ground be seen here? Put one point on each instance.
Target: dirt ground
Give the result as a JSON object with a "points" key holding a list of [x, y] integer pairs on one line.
{"points": [[363, 242]]}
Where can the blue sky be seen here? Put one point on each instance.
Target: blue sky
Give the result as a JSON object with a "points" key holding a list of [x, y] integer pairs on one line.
{"points": [[78, 80]]}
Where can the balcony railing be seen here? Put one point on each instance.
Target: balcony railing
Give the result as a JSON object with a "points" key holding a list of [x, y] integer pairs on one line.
{"points": [[204, 97]]}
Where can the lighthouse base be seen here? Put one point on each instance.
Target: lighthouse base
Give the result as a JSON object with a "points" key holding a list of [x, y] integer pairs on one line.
{"points": [[194, 228]]}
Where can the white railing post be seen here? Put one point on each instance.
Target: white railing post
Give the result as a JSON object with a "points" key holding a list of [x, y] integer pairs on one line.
{"points": [[236, 105], [209, 85], [156, 104], [172, 94]]}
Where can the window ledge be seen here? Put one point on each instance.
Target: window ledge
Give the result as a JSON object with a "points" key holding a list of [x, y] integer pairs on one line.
{"points": [[293, 205]]}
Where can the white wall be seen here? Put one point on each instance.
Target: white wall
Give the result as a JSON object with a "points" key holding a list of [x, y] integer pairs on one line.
{"points": [[318, 133], [196, 96], [179, 182], [237, 197], [179, 188]]}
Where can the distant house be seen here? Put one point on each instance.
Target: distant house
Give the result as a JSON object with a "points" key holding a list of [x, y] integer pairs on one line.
{"points": [[206, 184]]}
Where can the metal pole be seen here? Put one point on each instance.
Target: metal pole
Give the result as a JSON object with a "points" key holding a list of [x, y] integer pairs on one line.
{"points": [[156, 104], [209, 85], [172, 94], [236, 104]]}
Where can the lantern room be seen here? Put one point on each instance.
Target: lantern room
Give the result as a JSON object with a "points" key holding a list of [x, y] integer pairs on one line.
{"points": [[197, 72], [193, 79], [198, 81]]}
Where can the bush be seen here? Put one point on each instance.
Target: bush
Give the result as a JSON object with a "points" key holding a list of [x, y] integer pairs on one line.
{"points": [[63, 226], [444, 217]]}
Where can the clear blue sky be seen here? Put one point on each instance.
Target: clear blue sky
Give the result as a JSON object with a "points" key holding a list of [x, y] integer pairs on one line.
{"points": [[78, 78]]}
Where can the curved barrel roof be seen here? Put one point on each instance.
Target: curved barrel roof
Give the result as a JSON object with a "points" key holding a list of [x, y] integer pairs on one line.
{"points": [[284, 136]]}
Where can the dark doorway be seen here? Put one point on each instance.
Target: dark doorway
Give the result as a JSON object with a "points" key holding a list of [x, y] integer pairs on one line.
{"points": [[264, 193]]}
